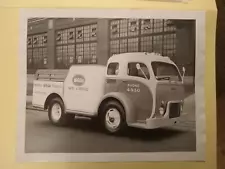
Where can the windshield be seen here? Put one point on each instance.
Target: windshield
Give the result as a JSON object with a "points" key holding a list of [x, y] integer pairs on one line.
{"points": [[165, 71]]}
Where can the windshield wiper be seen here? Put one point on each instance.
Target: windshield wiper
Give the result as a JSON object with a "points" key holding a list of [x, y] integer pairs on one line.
{"points": [[163, 78]]}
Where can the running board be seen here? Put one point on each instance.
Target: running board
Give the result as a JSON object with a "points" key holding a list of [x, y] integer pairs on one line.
{"points": [[81, 113]]}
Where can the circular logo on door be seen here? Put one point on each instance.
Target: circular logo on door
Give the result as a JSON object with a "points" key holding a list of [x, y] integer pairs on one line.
{"points": [[78, 80]]}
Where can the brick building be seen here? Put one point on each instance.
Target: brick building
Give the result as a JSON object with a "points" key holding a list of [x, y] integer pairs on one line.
{"points": [[59, 43]]}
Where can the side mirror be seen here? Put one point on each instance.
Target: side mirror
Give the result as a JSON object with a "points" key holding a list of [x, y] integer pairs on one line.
{"points": [[138, 66], [183, 70]]}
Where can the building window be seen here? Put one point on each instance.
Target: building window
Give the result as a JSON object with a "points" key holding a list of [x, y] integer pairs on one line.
{"points": [[146, 44], [147, 26], [158, 44], [123, 45], [158, 25], [76, 46], [114, 47], [115, 29], [168, 27], [71, 52], [123, 34], [80, 53], [37, 51], [123, 28], [133, 45], [145, 35], [169, 46], [133, 26]]}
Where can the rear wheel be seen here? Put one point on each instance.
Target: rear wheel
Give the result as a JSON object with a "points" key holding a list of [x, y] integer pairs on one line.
{"points": [[113, 117], [56, 113]]}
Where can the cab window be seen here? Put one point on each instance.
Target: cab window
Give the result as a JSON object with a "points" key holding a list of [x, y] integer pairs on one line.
{"points": [[142, 72], [113, 69], [165, 71]]}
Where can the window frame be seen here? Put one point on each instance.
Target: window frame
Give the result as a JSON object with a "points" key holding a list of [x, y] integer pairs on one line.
{"points": [[135, 62], [165, 63], [117, 64], [37, 53], [87, 40], [157, 27]]}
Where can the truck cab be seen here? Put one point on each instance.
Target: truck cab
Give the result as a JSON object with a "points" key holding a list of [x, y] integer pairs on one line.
{"points": [[143, 90], [152, 86]]}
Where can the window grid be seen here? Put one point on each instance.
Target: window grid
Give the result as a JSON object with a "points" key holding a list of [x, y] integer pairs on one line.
{"points": [[123, 28], [146, 35], [158, 25], [158, 43], [123, 45], [71, 54], [37, 51], [93, 32], [133, 45], [93, 51], [146, 44], [115, 29], [29, 58], [114, 46], [81, 46], [167, 26], [133, 25], [169, 47], [147, 26]]}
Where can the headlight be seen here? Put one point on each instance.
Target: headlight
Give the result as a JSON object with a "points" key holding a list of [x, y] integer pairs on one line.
{"points": [[162, 108], [181, 107]]}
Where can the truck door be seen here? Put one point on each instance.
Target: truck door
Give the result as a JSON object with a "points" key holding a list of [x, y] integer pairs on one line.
{"points": [[138, 90], [133, 84]]}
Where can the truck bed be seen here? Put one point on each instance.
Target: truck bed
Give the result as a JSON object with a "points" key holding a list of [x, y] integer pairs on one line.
{"points": [[51, 75]]}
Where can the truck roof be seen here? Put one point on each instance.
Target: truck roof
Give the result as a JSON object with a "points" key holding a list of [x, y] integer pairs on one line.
{"points": [[139, 56]]}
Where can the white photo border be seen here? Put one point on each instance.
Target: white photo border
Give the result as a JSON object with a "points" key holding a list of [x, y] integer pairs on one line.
{"points": [[198, 155]]}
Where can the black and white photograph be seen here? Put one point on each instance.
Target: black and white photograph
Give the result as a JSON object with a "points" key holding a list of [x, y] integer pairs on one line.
{"points": [[111, 85]]}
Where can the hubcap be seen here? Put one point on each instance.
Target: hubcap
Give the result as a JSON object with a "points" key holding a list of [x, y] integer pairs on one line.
{"points": [[112, 118], [56, 112]]}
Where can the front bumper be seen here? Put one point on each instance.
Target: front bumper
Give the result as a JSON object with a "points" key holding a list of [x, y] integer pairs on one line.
{"points": [[154, 123], [161, 122], [158, 122]]}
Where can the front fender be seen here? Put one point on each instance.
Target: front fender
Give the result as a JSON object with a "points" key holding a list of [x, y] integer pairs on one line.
{"points": [[126, 103]]}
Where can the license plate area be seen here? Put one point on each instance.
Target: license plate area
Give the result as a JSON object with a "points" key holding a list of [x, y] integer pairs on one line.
{"points": [[174, 110]]}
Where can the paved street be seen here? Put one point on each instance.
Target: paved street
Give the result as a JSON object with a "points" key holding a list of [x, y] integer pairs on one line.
{"points": [[84, 136]]}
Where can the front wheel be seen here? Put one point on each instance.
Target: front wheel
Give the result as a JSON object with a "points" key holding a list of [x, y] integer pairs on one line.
{"points": [[56, 113], [113, 117]]}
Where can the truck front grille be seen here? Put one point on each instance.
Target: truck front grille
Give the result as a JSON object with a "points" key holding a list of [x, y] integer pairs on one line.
{"points": [[174, 110]]}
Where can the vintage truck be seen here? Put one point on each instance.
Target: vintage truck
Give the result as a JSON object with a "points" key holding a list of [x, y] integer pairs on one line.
{"points": [[143, 90]]}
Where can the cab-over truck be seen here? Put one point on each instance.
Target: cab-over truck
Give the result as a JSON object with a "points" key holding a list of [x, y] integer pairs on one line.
{"points": [[143, 90]]}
